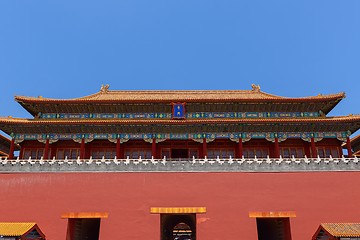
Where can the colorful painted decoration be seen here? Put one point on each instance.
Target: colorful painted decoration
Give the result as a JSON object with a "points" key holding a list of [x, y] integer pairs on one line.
{"points": [[179, 112], [245, 136]]}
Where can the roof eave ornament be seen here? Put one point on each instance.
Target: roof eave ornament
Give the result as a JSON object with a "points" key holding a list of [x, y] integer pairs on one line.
{"points": [[104, 88], [255, 88]]}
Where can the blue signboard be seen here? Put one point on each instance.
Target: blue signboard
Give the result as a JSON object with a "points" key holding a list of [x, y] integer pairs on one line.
{"points": [[178, 110]]}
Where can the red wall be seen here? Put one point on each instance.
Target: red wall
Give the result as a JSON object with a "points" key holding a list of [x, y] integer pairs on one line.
{"points": [[127, 197]]}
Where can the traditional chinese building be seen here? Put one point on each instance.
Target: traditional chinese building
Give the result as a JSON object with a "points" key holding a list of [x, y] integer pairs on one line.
{"points": [[180, 124], [233, 164]]}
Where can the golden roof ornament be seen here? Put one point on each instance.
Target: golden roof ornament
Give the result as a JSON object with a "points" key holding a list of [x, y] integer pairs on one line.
{"points": [[255, 88], [104, 88]]}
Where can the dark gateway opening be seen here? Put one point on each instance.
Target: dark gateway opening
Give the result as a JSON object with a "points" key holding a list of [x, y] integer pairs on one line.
{"points": [[273, 228], [83, 229], [178, 226]]}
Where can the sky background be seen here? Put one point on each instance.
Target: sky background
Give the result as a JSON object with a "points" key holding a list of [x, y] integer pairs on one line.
{"points": [[68, 49]]}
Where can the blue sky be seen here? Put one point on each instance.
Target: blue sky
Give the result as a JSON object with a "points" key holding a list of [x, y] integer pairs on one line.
{"points": [[67, 49]]}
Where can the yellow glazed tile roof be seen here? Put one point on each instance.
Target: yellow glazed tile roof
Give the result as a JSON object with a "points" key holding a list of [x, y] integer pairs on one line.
{"points": [[178, 95], [342, 229], [15, 228]]}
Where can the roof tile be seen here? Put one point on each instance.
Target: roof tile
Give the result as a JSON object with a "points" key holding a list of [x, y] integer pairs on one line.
{"points": [[177, 95], [342, 229], [15, 228]]}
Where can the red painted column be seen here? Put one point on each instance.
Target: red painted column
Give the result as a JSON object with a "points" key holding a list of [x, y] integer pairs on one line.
{"points": [[307, 149], [118, 148], [313, 148], [12, 148], [82, 149], [240, 148], [340, 151], [277, 148], [46, 151], [153, 148], [348, 146], [204, 148]]}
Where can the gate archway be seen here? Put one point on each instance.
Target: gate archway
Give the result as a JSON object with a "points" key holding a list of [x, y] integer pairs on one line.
{"points": [[178, 226]]}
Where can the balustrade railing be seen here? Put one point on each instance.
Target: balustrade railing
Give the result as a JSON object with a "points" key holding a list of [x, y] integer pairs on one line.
{"points": [[164, 161]]}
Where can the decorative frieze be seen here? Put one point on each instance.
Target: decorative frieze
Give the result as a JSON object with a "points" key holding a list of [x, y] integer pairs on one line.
{"points": [[124, 137], [105, 115], [251, 115], [179, 114], [341, 136], [280, 136]]}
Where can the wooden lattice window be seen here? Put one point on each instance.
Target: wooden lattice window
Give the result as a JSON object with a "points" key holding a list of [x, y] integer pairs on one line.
{"points": [[326, 151], [258, 152], [108, 153], [69, 153], [220, 152], [288, 152], [135, 153], [34, 153]]}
